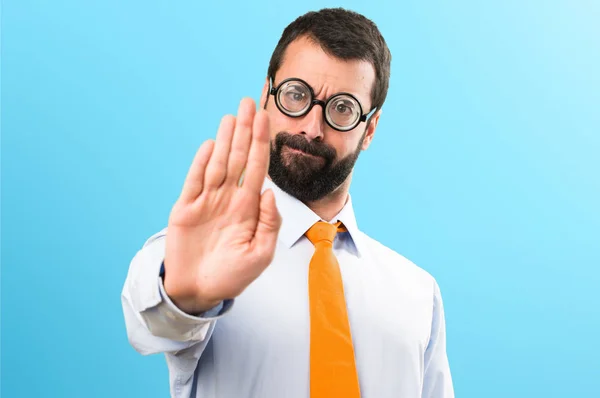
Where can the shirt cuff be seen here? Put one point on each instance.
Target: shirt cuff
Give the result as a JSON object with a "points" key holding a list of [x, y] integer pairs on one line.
{"points": [[165, 319], [213, 313]]}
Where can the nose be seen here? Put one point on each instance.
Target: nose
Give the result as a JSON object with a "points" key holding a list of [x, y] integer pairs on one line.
{"points": [[312, 123]]}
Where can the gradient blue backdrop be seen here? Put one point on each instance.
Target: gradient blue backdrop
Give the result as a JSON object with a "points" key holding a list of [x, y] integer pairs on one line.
{"points": [[484, 171]]}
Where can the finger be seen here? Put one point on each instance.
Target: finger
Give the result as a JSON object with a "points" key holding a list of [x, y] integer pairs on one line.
{"points": [[194, 181], [258, 157], [217, 165], [269, 223], [242, 137]]}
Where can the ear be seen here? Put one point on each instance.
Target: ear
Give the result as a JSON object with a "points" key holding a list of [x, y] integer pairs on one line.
{"points": [[370, 133], [265, 93]]}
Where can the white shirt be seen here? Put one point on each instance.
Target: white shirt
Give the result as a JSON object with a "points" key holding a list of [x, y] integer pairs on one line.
{"points": [[258, 344]]}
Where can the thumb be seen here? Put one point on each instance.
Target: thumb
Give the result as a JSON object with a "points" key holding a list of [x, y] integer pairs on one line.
{"points": [[269, 222]]}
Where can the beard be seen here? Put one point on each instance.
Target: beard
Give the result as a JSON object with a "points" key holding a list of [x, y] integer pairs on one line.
{"points": [[313, 174]]}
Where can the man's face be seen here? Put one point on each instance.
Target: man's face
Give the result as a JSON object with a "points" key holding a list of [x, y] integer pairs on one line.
{"points": [[310, 159]]}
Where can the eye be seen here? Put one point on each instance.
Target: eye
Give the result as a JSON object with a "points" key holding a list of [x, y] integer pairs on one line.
{"points": [[296, 96], [342, 108]]}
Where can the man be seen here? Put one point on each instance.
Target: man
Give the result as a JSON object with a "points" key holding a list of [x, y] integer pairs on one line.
{"points": [[262, 285]]}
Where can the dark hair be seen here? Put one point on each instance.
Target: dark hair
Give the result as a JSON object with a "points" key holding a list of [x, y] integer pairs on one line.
{"points": [[345, 35]]}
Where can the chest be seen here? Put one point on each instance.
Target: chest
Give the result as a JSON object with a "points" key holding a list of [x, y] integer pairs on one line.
{"points": [[389, 315]]}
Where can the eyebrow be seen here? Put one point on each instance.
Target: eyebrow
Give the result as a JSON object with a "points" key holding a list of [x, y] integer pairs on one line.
{"points": [[318, 93]]}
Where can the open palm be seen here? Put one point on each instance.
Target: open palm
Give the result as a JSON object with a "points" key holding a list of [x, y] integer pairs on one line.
{"points": [[222, 233]]}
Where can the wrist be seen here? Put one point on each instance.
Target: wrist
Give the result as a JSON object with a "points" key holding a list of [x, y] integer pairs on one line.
{"points": [[186, 302]]}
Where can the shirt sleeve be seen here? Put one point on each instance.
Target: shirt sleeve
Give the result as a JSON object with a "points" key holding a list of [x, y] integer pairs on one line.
{"points": [[154, 323], [438, 380], [166, 320]]}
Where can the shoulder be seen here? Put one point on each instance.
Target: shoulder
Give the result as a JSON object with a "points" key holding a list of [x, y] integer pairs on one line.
{"points": [[390, 260]]}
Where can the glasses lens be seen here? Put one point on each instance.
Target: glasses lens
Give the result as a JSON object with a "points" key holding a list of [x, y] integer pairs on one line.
{"points": [[294, 97], [343, 112]]}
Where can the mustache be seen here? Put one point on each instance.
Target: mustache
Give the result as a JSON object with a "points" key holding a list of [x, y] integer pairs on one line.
{"points": [[296, 141]]}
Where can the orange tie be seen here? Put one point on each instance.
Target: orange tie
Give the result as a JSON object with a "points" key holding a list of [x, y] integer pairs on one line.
{"points": [[332, 366]]}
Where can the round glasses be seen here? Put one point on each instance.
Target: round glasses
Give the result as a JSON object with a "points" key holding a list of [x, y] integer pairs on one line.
{"points": [[295, 98]]}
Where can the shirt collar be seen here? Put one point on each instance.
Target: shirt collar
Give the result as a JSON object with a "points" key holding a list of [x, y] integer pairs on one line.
{"points": [[297, 218]]}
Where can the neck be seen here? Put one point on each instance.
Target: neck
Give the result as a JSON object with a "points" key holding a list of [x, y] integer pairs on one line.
{"points": [[332, 204]]}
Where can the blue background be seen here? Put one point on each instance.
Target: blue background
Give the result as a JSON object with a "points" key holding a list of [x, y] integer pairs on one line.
{"points": [[484, 171]]}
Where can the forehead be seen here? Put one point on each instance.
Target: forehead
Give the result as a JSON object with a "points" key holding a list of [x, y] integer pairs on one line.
{"points": [[327, 75]]}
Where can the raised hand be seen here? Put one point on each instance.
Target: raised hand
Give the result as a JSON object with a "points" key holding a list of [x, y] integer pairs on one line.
{"points": [[222, 234]]}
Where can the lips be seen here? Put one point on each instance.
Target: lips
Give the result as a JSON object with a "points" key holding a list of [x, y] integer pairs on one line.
{"points": [[300, 152], [294, 146]]}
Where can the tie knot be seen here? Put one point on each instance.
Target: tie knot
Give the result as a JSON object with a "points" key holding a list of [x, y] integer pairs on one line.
{"points": [[323, 231]]}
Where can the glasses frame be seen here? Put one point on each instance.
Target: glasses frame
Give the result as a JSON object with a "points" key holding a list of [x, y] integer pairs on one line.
{"points": [[274, 91]]}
